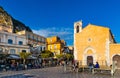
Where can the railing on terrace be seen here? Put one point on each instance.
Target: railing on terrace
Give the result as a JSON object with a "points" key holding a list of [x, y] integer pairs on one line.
{"points": [[17, 45], [101, 62]]}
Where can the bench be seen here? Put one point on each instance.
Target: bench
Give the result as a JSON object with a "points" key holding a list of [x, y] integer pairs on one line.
{"points": [[105, 70], [84, 68]]}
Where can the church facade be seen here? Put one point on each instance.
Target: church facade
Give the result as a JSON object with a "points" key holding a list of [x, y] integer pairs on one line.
{"points": [[95, 44]]}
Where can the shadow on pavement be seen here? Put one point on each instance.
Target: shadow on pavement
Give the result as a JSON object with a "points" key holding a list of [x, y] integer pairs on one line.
{"points": [[18, 76]]}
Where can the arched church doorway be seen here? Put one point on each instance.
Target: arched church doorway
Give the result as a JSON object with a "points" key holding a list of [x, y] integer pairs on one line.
{"points": [[117, 59], [89, 55], [89, 60]]}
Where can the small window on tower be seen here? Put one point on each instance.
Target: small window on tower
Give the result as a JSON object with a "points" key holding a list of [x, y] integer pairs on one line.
{"points": [[77, 31]]}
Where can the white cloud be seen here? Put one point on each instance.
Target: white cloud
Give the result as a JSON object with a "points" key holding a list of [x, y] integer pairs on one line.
{"points": [[63, 33]]}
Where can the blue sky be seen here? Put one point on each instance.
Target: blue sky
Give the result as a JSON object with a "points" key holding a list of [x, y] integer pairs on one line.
{"points": [[56, 17]]}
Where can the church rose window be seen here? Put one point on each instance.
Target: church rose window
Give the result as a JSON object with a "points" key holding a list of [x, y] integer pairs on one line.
{"points": [[89, 39]]}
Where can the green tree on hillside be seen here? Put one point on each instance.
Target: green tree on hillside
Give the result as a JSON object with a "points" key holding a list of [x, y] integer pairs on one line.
{"points": [[46, 54]]}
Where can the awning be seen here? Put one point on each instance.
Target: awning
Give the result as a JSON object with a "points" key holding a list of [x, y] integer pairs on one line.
{"points": [[13, 56], [32, 57], [3, 55]]}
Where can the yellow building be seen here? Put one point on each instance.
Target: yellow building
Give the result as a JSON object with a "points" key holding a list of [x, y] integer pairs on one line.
{"points": [[55, 45], [95, 44]]}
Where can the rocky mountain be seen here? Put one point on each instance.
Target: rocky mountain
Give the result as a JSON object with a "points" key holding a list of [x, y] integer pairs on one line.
{"points": [[18, 26], [8, 22]]}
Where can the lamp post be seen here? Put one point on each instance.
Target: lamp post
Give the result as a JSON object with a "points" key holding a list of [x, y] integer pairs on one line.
{"points": [[64, 57]]}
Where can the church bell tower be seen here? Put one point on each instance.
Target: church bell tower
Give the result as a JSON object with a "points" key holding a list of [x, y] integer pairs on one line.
{"points": [[77, 27]]}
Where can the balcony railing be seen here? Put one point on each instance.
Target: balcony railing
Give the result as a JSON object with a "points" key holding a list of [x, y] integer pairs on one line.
{"points": [[16, 45], [36, 41]]}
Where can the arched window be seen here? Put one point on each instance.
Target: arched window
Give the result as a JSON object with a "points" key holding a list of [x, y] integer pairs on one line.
{"points": [[28, 35], [24, 51], [12, 51], [89, 60], [55, 46], [116, 58], [51, 40], [77, 29], [10, 41], [20, 43], [44, 48], [50, 47]]}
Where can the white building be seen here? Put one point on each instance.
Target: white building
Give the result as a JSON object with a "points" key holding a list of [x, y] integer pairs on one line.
{"points": [[13, 43], [36, 42]]}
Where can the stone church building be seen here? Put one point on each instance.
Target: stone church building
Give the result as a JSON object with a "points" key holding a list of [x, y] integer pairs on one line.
{"points": [[95, 44]]}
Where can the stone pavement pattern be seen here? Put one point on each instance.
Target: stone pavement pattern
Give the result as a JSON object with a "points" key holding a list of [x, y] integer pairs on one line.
{"points": [[53, 72]]}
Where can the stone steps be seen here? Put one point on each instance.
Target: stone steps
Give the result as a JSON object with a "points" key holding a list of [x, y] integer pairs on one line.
{"points": [[117, 72]]}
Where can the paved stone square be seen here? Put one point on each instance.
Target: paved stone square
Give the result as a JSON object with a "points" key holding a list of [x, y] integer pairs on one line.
{"points": [[53, 72]]}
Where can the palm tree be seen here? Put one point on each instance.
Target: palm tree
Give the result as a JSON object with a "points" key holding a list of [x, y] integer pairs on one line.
{"points": [[24, 56]]}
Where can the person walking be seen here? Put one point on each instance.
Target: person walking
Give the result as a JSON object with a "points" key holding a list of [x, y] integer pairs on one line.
{"points": [[17, 66]]}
